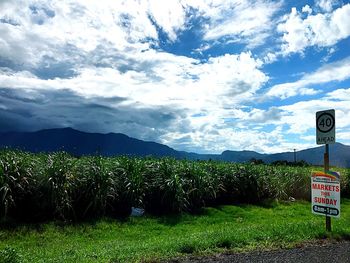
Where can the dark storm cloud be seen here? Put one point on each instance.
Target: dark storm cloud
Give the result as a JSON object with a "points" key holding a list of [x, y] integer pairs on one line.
{"points": [[22, 110], [9, 65], [9, 96], [50, 69]]}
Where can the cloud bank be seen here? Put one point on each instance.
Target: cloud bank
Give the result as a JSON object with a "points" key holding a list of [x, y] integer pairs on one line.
{"points": [[113, 66]]}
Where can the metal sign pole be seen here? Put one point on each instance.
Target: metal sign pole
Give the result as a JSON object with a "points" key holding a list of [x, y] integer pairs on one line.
{"points": [[326, 169]]}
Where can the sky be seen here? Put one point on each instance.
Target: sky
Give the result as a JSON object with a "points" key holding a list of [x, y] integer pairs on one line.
{"points": [[201, 76]]}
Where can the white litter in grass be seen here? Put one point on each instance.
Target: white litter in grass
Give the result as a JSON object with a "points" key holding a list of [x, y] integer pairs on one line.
{"points": [[137, 211]]}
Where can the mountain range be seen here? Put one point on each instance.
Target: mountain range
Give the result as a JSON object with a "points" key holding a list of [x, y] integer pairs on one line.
{"points": [[82, 143]]}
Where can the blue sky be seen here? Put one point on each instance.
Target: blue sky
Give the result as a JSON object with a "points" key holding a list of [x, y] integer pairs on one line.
{"points": [[203, 76]]}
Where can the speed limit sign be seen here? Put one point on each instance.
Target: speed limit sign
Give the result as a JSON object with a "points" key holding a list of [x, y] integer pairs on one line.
{"points": [[325, 127]]}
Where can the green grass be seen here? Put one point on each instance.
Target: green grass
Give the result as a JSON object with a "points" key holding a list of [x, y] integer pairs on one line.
{"points": [[223, 228]]}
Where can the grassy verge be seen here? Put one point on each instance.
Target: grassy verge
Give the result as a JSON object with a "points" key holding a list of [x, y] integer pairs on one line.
{"points": [[236, 228]]}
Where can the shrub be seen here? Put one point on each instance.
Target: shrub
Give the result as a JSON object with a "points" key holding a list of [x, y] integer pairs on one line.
{"points": [[60, 183], [59, 186], [95, 187], [16, 180]]}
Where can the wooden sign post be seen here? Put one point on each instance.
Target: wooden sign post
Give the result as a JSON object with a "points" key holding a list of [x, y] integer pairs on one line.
{"points": [[325, 134], [326, 169]]}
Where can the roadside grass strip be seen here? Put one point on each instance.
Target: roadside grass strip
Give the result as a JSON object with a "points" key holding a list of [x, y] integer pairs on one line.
{"points": [[220, 229]]}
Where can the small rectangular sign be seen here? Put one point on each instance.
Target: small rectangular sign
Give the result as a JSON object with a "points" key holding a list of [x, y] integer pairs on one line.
{"points": [[325, 193], [325, 127]]}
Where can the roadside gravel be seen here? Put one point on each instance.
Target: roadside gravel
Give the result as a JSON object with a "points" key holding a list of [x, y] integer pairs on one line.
{"points": [[320, 252]]}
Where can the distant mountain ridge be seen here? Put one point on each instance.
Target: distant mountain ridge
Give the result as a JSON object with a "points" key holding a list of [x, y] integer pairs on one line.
{"points": [[82, 143]]}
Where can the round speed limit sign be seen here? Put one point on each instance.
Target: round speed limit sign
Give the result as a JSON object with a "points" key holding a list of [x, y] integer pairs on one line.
{"points": [[325, 127], [325, 122]]}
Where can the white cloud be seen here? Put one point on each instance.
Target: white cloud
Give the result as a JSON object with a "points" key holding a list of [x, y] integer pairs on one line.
{"points": [[265, 116], [336, 71], [321, 30], [343, 136], [166, 79], [300, 116], [230, 138], [48, 29], [296, 120], [326, 5], [80, 25], [339, 94], [170, 15], [270, 58], [177, 83], [243, 21], [310, 138], [107, 48], [306, 9]]}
